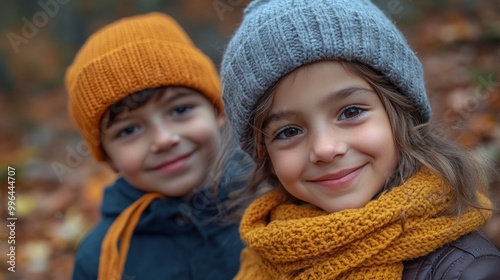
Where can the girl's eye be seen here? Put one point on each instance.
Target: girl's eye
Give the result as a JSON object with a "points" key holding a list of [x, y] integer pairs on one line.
{"points": [[351, 112], [180, 110], [288, 133], [127, 131]]}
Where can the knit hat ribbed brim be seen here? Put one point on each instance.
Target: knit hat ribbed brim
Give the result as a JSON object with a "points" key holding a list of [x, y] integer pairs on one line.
{"points": [[278, 36], [129, 55]]}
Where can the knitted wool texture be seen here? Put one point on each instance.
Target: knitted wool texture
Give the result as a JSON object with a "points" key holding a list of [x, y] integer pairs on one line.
{"points": [[129, 55], [278, 36], [287, 241]]}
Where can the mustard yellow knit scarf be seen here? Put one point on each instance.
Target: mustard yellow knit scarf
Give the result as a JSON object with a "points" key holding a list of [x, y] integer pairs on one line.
{"points": [[288, 241], [116, 242]]}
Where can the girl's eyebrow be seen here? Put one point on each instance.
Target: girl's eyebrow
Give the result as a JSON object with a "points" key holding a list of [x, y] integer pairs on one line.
{"points": [[333, 97], [275, 117], [344, 93]]}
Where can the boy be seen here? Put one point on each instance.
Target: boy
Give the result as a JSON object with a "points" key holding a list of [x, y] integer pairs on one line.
{"points": [[147, 102]]}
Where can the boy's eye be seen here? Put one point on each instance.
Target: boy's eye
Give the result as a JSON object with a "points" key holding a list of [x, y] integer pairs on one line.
{"points": [[351, 112], [129, 130], [288, 133], [179, 110]]}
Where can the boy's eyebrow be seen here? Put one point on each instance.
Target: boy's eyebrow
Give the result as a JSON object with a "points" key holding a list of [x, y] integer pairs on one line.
{"points": [[169, 96], [110, 124], [335, 96], [164, 99]]}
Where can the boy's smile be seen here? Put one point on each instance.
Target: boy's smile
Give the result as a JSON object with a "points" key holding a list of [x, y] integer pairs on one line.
{"points": [[329, 138], [172, 165], [168, 144]]}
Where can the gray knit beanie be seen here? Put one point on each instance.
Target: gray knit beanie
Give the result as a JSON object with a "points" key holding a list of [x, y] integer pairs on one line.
{"points": [[278, 36]]}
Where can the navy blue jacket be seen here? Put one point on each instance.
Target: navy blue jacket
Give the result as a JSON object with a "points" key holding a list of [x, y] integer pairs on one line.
{"points": [[174, 239]]}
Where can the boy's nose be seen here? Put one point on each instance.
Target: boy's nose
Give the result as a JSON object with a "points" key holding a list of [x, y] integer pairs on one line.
{"points": [[325, 146], [163, 139]]}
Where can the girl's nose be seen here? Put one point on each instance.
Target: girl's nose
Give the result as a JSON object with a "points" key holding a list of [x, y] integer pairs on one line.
{"points": [[325, 146], [163, 139]]}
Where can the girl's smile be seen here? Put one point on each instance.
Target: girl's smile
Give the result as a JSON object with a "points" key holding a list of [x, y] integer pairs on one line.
{"points": [[338, 180], [329, 138]]}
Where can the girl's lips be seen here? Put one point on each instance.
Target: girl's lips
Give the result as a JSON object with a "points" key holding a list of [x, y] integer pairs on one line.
{"points": [[173, 165], [338, 180]]}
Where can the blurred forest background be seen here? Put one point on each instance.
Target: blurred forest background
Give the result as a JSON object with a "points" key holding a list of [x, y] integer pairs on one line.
{"points": [[59, 185]]}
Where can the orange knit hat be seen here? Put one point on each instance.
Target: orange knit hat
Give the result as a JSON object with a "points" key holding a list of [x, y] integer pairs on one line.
{"points": [[129, 55]]}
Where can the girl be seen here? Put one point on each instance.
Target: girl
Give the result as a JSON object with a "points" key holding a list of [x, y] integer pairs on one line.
{"points": [[147, 102], [329, 100]]}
